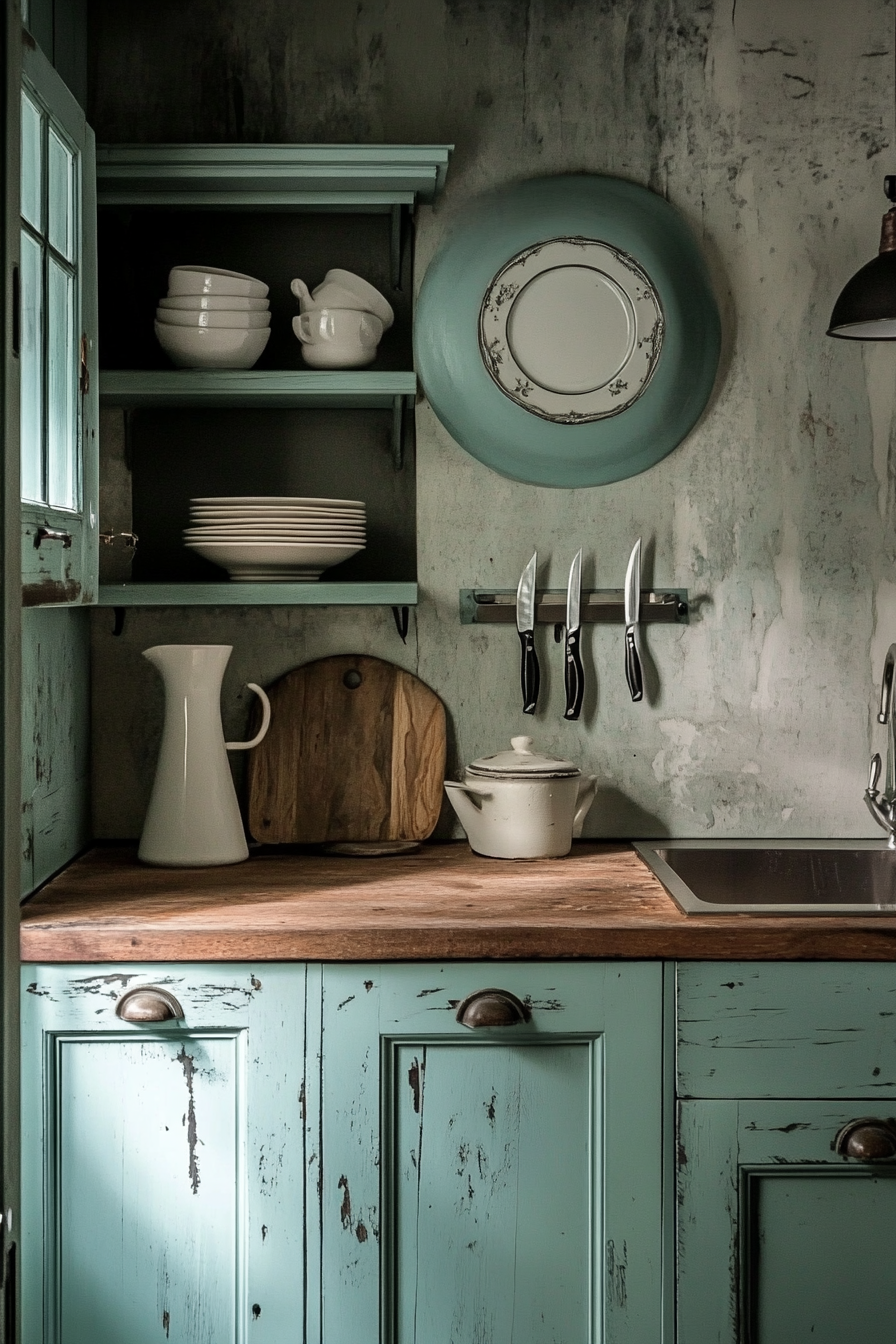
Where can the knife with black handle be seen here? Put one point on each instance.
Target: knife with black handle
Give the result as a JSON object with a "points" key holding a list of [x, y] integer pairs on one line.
{"points": [[633, 673], [574, 672], [530, 673]]}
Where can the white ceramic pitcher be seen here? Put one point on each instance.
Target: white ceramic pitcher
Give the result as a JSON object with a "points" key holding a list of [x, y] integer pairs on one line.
{"points": [[193, 820]]}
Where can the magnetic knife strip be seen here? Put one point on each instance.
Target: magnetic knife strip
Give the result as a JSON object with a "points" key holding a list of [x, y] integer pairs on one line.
{"points": [[600, 606]]}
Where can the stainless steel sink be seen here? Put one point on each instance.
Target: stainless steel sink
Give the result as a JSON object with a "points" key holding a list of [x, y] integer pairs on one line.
{"points": [[775, 877]]}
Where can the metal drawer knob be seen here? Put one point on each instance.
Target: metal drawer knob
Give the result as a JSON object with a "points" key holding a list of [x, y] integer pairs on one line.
{"points": [[867, 1140], [148, 1003], [491, 1008]]}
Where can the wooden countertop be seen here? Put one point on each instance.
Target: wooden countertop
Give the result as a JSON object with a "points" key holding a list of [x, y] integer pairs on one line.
{"points": [[442, 903]]}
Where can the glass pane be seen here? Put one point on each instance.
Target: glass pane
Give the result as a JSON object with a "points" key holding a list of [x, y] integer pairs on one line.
{"points": [[31, 366], [31, 173], [62, 405], [61, 170]]}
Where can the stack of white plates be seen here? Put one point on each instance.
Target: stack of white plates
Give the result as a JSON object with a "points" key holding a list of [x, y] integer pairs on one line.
{"points": [[213, 319], [271, 538]]}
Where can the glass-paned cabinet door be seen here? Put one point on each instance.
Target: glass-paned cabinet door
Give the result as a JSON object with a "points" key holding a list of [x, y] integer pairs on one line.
{"points": [[57, 343]]}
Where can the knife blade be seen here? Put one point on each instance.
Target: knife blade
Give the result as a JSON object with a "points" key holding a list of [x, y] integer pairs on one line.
{"points": [[530, 674], [633, 673], [574, 672]]}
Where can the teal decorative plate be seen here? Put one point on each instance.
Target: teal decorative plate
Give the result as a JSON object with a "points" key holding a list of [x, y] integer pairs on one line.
{"points": [[566, 332]]}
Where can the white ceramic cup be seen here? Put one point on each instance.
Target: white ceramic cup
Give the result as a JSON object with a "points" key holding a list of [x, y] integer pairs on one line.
{"points": [[331, 293], [338, 338]]}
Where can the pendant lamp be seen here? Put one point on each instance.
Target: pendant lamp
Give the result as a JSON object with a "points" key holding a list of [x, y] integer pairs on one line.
{"points": [[866, 309]]}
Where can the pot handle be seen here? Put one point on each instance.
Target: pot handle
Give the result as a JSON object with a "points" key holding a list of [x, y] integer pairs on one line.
{"points": [[265, 721], [583, 804], [470, 789]]}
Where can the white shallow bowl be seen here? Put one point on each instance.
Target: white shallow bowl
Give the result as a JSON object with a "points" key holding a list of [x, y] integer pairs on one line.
{"points": [[347, 536], [331, 518], [223, 318], [211, 347], [214, 280], [272, 558], [212, 303], [278, 501]]}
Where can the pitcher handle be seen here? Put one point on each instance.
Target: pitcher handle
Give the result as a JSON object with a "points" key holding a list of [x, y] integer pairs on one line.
{"points": [[265, 721]]}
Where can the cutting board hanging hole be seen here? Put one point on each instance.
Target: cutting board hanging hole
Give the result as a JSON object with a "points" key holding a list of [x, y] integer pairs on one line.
{"points": [[352, 679]]}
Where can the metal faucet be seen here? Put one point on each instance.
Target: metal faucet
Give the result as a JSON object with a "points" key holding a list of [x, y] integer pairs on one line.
{"points": [[883, 806]]}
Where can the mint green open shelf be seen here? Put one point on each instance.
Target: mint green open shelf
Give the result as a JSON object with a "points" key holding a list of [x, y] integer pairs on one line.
{"points": [[257, 594], [346, 389]]}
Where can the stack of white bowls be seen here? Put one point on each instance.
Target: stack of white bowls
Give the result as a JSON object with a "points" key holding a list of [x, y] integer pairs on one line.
{"points": [[213, 319], [272, 538], [341, 321]]}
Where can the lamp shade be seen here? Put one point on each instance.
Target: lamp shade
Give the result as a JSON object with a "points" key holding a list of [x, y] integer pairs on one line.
{"points": [[866, 308]]}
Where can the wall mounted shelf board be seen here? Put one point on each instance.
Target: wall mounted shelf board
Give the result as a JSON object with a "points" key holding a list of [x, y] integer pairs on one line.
{"points": [[667, 606], [348, 389], [227, 594], [294, 177]]}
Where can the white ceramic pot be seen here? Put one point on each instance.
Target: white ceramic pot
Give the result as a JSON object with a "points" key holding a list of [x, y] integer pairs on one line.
{"points": [[519, 805]]}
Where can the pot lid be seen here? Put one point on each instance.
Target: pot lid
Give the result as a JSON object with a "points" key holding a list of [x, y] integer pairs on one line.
{"points": [[521, 760]]}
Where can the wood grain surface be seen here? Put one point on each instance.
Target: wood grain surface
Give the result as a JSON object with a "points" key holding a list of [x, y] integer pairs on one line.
{"points": [[442, 903], [355, 752]]}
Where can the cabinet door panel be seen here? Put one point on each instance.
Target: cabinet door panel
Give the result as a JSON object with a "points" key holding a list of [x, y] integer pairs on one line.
{"points": [[163, 1182], [492, 1202], [780, 1239], [500, 1184]]}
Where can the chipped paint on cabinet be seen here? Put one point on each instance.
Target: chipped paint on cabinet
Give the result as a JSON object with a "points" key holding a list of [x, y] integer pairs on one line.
{"points": [[166, 1159], [786, 1029], [55, 741], [780, 1239], [499, 1185]]}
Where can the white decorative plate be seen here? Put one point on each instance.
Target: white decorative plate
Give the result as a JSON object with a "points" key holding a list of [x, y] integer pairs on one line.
{"points": [[571, 329]]}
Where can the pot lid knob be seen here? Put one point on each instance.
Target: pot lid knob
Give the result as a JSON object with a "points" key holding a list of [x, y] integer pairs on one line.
{"points": [[522, 744]]}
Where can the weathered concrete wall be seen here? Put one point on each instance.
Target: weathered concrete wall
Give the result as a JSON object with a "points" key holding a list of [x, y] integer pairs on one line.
{"points": [[769, 125]]}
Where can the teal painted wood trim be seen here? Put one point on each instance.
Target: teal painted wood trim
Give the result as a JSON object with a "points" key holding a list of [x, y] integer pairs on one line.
{"points": [[185, 174], [164, 1164], [669, 1153], [258, 594], [779, 1238], [350, 389], [503, 1184], [804, 1029], [53, 575], [311, 202], [55, 753]]}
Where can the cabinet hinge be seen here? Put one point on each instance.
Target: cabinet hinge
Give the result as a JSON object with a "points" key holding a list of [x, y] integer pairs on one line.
{"points": [[83, 367]]}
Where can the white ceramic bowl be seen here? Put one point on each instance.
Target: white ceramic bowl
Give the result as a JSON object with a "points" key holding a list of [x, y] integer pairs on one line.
{"points": [[373, 300], [213, 280], [274, 560], [225, 319], [330, 294], [211, 347], [194, 303]]}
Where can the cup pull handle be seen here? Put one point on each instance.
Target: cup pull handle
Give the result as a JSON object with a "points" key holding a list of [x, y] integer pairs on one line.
{"points": [[868, 1140], [265, 721], [148, 1003], [491, 1008]]}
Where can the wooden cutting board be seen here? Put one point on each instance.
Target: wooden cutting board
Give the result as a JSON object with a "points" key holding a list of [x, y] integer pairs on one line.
{"points": [[355, 751]]}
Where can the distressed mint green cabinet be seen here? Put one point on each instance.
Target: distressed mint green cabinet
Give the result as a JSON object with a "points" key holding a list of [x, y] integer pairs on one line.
{"points": [[162, 1180], [781, 1238], [500, 1184]]}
